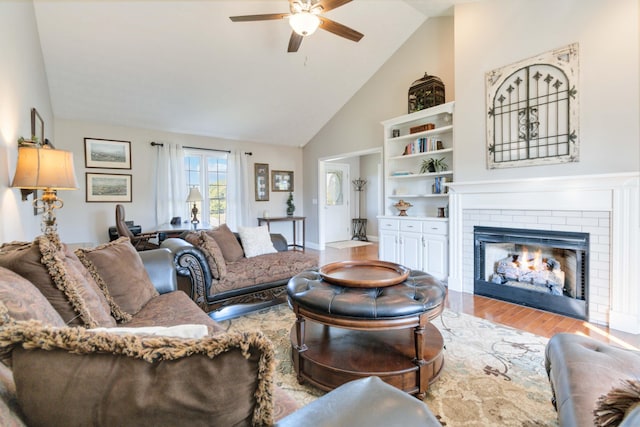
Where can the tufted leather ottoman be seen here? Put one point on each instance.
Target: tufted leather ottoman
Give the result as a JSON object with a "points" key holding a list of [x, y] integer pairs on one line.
{"points": [[344, 333]]}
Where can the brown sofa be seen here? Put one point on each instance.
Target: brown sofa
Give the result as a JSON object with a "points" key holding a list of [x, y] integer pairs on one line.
{"points": [[583, 372], [55, 374], [214, 270]]}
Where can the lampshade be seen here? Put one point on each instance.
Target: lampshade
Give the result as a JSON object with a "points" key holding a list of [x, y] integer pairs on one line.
{"points": [[304, 23], [194, 195], [40, 168]]}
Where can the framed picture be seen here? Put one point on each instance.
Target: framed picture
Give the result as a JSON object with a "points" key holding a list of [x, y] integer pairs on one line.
{"points": [[107, 153], [37, 125], [282, 181], [104, 187], [262, 181]]}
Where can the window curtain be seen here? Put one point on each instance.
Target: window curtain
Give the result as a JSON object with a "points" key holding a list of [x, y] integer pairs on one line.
{"points": [[170, 188], [238, 201]]}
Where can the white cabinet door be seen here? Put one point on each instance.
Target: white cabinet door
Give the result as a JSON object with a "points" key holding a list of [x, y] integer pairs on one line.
{"points": [[434, 256], [411, 250], [388, 245]]}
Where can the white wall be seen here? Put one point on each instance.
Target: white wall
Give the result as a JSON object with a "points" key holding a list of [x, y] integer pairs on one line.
{"points": [[370, 167], [493, 33], [23, 85], [356, 127], [79, 221]]}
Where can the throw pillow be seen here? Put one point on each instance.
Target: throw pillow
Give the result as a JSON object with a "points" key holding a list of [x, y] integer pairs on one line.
{"points": [[214, 255], [611, 408], [121, 275], [24, 301], [256, 241], [178, 331], [212, 252], [228, 243], [61, 278], [61, 377]]}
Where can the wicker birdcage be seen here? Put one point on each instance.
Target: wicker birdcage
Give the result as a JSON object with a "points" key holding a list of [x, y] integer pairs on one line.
{"points": [[426, 92]]}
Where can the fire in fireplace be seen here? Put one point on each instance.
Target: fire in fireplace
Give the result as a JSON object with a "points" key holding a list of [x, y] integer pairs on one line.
{"points": [[538, 268]]}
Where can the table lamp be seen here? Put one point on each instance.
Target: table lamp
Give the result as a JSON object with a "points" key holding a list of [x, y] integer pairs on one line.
{"points": [[49, 170], [193, 197]]}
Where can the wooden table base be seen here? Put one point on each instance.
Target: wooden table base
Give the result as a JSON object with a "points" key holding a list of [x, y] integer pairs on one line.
{"points": [[332, 356]]}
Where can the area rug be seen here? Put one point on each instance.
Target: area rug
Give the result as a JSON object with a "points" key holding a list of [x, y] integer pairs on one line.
{"points": [[493, 375], [347, 244]]}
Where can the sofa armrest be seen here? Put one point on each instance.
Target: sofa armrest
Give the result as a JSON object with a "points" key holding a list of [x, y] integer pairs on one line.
{"points": [[161, 270], [279, 242], [190, 262], [364, 402]]}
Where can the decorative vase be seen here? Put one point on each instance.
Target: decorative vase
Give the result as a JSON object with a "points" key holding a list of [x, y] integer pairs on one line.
{"points": [[402, 206]]}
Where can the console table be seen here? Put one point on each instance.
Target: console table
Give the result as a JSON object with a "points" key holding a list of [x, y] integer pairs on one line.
{"points": [[293, 220]]}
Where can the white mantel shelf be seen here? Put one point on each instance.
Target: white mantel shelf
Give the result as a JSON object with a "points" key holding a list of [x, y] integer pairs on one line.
{"points": [[617, 194]]}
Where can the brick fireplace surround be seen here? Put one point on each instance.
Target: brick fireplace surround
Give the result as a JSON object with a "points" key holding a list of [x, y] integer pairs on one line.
{"points": [[605, 206]]}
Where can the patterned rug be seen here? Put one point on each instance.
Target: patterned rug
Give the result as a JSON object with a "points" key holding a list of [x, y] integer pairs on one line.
{"points": [[493, 375]]}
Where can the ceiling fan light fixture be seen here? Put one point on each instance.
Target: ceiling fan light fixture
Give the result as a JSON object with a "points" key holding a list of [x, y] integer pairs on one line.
{"points": [[304, 23]]}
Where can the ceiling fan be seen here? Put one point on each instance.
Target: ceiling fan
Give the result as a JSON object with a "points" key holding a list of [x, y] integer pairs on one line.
{"points": [[305, 17]]}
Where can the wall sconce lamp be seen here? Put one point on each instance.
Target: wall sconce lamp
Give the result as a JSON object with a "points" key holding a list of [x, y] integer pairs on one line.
{"points": [[47, 169], [193, 197]]}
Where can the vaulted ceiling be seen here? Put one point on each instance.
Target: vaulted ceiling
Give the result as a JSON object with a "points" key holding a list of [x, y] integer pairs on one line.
{"points": [[183, 66]]}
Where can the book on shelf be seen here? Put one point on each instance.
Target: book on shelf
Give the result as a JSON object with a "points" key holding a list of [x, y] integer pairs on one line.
{"points": [[421, 145], [401, 173]]}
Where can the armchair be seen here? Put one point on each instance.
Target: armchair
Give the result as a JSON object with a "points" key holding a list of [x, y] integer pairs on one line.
{"points": [[139, 241]]}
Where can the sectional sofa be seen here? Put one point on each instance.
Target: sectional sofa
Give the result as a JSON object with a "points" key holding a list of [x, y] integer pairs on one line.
{"points": [[102, 337]]}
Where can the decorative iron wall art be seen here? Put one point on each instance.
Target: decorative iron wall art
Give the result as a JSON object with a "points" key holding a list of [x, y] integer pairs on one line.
{"points": [[532, 111]]}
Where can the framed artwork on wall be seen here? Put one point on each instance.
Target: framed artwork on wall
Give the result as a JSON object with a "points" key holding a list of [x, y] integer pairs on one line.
{"points": [[105, 187], [282, 181], [107, 153], [532, 110], [261, 171]]}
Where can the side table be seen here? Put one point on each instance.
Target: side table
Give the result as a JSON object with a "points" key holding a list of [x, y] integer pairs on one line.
{"points": [[293, 220]]}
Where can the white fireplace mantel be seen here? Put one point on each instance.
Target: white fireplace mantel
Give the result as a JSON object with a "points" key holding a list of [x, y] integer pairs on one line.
{"points": [[617, 194]]}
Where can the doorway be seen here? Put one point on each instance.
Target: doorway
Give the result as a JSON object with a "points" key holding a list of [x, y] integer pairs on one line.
{"points": [[366, 164], [337, 202]]}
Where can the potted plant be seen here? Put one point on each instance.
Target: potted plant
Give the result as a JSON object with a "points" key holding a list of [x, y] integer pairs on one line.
{"points": [[433, 165], [290, 206]]}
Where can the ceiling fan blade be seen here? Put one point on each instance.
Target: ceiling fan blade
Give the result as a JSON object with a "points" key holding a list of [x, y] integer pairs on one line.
{"points": [[339, 29], [294, 42], [327, 5], [266, 17]]}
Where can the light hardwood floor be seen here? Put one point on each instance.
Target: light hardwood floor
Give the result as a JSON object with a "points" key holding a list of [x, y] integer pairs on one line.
{"points": [[529, 319]]}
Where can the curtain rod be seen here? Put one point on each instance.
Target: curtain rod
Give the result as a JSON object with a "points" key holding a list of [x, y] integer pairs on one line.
{"points": [[160, 144]]}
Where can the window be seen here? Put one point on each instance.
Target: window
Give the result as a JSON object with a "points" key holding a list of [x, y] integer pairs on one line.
{"points": [[208, 170]]}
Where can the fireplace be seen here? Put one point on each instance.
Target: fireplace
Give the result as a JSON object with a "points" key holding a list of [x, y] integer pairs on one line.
{"points": [[536, 268]]}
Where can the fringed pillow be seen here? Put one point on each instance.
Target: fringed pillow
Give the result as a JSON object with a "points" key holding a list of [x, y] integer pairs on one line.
{"points": [[58, 274], [613, 407], [211, 251], [72, 376], [227, 242], [120, 273]]}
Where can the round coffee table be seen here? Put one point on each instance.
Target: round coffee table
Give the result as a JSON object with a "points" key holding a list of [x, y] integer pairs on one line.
{"points": [[348, 328]]}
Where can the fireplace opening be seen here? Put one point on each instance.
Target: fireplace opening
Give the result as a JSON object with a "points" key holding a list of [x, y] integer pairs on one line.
{"points": [[537, 268]]}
